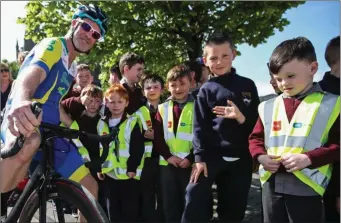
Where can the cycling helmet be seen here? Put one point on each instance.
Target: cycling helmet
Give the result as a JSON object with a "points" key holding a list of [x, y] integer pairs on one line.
{"points": [[93, 13]]}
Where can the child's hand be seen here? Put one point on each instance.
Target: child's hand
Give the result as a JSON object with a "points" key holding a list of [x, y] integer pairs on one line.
{"points": [[230, 112], [131, 175], [185, 163], [85, 100], [294, 162], [269, 162], [174, 160], [149, 134], [197, 169], [101, 176]]}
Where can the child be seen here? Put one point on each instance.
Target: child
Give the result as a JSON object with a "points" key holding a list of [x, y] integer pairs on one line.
{"points": [[131, 67], [150, 187], [83, 78], [221, 144], [173, 141], [331, 84], [89, 121], [296, 138], [122, 168]]}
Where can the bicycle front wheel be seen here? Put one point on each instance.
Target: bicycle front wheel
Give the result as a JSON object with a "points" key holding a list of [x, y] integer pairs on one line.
{"points": [[67, 191]]}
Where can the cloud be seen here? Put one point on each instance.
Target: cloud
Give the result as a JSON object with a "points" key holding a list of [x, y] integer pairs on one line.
{"points": [[264, 88]]}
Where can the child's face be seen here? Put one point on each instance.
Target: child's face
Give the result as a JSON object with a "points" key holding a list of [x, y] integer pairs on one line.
{"points": [[83, 78], [93, 105], [274, 84], [116, 104], [134, 74], [179, 88], [219, 58], [152, 90], [295, 77]]}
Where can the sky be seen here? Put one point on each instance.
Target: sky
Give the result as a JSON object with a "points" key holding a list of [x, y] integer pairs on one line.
{"points": [[319, 21]]}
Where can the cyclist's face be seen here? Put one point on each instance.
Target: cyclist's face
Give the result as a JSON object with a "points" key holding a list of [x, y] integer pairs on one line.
{"points": [[84, 40], [84, 78], [116, 104]]}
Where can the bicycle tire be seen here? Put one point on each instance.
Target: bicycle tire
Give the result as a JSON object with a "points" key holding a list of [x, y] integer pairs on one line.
{"points": [[69, 191]]}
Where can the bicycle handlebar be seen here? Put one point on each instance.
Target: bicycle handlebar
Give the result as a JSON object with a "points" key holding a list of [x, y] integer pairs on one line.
{"points": [[63, 132]]}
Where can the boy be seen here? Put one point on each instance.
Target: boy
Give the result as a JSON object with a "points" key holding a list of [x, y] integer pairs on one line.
{"points": [[153, 86], [122, 168], [173, 141], [83, 78], [331, 84], [296, 137], [88, 120], [221, 144], [131, 67]]}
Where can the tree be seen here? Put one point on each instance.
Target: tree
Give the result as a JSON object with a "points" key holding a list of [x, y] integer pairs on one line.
{"points": [[165, 33]]}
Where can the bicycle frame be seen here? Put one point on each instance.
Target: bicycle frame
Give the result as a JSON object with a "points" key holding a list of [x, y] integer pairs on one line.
{"points": [[40, 180]]}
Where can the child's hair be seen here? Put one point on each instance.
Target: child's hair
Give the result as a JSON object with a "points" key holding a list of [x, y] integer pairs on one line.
{"points": [[195, 66], [93, 91], [332, 53], [82, 67], [115, 69], [129, 59], [177, 72], [299, 48], [218, 38], [117, 89], [152, 78]]}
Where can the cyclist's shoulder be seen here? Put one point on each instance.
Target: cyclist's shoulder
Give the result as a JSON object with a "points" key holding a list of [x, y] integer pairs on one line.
{"points": [[53, 44]]}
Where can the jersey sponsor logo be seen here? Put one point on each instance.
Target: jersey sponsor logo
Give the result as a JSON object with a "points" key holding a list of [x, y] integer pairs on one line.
{"points": [[61, 91], [51, 45], [276, 125], [246, 98]]}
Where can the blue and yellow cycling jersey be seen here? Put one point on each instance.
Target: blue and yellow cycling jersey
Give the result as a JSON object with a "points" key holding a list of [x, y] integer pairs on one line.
{"points": [[50, 54]]}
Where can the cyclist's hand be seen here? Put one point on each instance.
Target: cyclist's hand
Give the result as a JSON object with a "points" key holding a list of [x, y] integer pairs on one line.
{"points": [[22, 120], [174, 160], [101, 176], [149, 134], [269, 162], [185, 163], [196, 171], [131, 175]]}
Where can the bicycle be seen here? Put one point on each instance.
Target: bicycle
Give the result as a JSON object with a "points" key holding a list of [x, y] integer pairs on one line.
{"points": [[45, 183]]}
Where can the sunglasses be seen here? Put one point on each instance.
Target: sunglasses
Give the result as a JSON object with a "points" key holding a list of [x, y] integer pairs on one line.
{"points": [[87, 28], [4, 70]]}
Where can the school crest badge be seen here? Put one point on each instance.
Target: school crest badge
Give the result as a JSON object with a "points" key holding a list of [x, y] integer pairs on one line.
{"points": [[246, 98]]}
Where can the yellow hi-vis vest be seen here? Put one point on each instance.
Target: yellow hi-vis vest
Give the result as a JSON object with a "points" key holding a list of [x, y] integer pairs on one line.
{"points": [[145, 121], [119, 164], [102, 129], [180, 144], [307, 131]]}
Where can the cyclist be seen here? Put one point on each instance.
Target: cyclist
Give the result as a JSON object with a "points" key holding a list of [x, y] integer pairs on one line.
{"points": [[45, 76]]}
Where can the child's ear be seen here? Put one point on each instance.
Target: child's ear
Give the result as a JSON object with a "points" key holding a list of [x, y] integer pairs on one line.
{"points": [[314, 67], [205, 61], [126, 68], [234, 53]]}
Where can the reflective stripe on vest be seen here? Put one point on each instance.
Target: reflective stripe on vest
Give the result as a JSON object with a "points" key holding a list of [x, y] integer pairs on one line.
{"points": [[307, 131], [119, 164], [102, 129], [145, 120], [180, 144]]}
